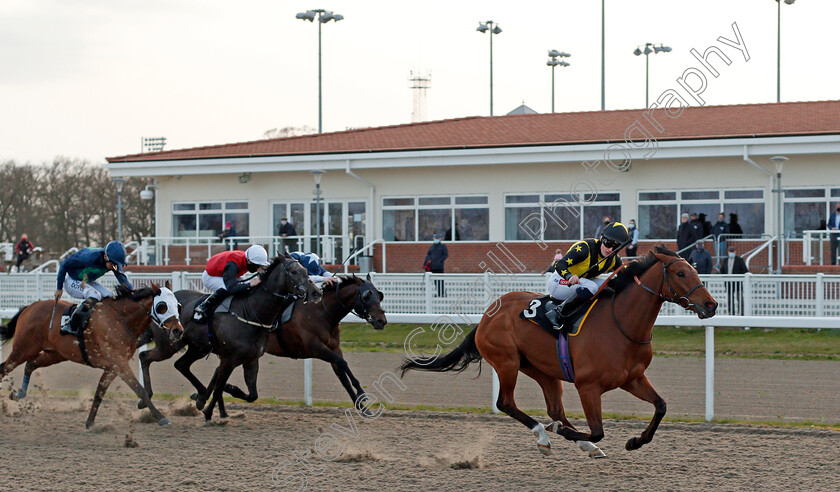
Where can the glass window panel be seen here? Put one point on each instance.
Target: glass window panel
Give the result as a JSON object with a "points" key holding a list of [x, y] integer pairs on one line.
{"points": [[700, 195], [522, 199], [238, 223], [657, 195], [356, 218], [602, 197], [820, 193], [472, 224], [470, 200], [183, 206], [436, 220], [711, 211], [236, 206], [835, 192], [562, 197], [210, 206], [183, 225], [523, 223], [804, 216], [436, 200], [296, 217], [335, 221], [657, 221], [750, 216], [593, 217], [313, 215], [561, 222], [398, 225], [209, 225], [396, 202], [734, 194]]}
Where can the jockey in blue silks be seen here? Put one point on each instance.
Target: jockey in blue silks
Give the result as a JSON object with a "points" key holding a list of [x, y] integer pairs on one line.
{"points": [[312, 263], [78, 273]]}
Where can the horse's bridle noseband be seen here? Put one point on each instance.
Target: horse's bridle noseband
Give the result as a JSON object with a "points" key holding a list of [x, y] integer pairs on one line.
{"points": [[358, 306]]}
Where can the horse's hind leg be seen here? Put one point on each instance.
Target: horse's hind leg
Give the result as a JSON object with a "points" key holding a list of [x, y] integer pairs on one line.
{"points": [[127, 376], [221, 376], [105, 381], [642, 389], [508, 372], [553, 393], [44, 359], [183, 365]]}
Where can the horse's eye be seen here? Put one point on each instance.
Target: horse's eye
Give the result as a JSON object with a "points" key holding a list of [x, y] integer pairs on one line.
{"points": [[680, 274]]}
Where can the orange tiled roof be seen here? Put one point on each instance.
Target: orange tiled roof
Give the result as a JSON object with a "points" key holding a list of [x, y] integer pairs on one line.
{"points": [[743, 120]]}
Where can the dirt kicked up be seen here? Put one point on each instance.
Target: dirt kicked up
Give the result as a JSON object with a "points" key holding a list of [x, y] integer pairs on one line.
{"points": [[44, 446]]}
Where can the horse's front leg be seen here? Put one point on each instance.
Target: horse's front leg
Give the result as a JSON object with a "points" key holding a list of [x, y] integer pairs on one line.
{"points": [[342, 371], [642, 389], [590, 399]]}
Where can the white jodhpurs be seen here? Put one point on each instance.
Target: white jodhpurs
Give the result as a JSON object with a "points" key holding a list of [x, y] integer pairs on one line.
{"points": [[91, 289], [560, 289], [212, 283]]}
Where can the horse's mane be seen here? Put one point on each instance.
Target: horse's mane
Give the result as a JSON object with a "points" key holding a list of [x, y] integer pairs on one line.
{"points": [[637, 267], [278, 260], [124, 292]]}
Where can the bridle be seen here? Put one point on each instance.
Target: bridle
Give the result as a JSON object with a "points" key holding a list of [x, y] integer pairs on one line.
{"points": [[681, 300], [293, 296], [357, 306]]}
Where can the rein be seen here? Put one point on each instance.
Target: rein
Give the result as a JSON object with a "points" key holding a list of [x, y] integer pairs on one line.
{"points": [[356, 305], [284, 297], [676, 299]]}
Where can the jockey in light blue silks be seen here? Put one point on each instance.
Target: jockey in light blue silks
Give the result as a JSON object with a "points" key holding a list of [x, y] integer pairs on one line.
{"points": [[312, 263], [78, 273]]}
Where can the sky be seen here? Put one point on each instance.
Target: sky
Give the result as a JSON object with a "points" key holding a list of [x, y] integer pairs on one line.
{"points": [[90, 78]]}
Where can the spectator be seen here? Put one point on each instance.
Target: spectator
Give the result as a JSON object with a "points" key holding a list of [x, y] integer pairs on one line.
{"points": [[704, 224], [720, 227], [23, 249], [700, 259], [833, 225], [558, 255], [287, 230], [687, 235], [633, 248], [435, 257], [734, 226], [734, 265], [227, 232], [697, 225], [607, 221]]}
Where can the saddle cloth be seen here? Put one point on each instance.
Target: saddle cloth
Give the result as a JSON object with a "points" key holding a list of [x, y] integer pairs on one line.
{"points": [[285, 316], [537, 313]]}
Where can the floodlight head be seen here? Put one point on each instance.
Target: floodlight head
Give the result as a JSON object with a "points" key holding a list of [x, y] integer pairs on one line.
{"points": [[647, 50], [308, 15], [552, 63], [564, 64], [554, 53], [497, 30], [326, 17], [666, 49], [338, 17], [789, 2], [482, 27], [563, 54], [657, 49], [637, 52]]}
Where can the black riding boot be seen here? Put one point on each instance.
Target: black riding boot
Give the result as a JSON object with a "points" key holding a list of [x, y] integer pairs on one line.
{"points": [[570, 305], [80, 317], [206, 308]]}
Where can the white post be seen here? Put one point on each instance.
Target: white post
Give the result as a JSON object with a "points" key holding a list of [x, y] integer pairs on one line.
{"points": [[187, 259], [710, 373], [748, 298], [806, 248], [176, 281], [307, 382], [495, 391], [819, 294], [144, 348], [427, 282]]}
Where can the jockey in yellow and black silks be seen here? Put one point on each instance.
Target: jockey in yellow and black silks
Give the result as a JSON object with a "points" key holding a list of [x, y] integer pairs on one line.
{"points": [[574, 281]]}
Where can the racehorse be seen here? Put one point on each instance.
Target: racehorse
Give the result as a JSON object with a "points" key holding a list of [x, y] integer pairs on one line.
{"points": [[109, 338], [312, 332], [612, 350], [240, 338]]}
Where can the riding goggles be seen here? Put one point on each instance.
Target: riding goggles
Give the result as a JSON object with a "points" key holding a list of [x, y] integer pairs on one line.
{"points": [[610, 243]]}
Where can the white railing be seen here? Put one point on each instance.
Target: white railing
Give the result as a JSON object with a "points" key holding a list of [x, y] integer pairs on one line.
{"points": [[8, 252], [807, 243], [160, 250]]}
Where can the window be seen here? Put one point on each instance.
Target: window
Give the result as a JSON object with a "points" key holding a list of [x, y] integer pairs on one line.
{"points": [[293, 212], [808, 208], [418, 218], [557, 217], [659, 211], [208, 219]]}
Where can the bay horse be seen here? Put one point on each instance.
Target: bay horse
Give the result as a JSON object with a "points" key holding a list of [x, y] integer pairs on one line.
{"points": [[612, 350], [241, 336], [313, 332], [110, 338]]}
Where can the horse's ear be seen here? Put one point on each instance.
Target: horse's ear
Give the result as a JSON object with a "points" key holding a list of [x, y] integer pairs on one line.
{"points": [[368, 278], [168, 285], [287, 255], [155, 289]]}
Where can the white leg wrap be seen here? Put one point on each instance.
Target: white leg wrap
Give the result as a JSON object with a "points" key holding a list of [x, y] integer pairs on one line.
{"points": [[586, 446], [542, 437]]}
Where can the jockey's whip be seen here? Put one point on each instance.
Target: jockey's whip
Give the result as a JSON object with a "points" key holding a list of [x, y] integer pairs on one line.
{"points": [[353, 250], [52, 316]]}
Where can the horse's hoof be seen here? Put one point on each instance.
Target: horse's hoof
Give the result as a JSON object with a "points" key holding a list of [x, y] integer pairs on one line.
{"points": [[597, 454], [141, 404], [545, 449], [632, 444], [20, 395], [164, 422], [199, 403], [194, 396]]}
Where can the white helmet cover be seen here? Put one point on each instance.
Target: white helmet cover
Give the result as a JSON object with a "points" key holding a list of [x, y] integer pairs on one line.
{"points": [[256, 254]]}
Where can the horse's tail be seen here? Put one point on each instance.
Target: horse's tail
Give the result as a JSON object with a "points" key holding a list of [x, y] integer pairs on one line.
{"points": [[7, 331], [457, 360]]}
